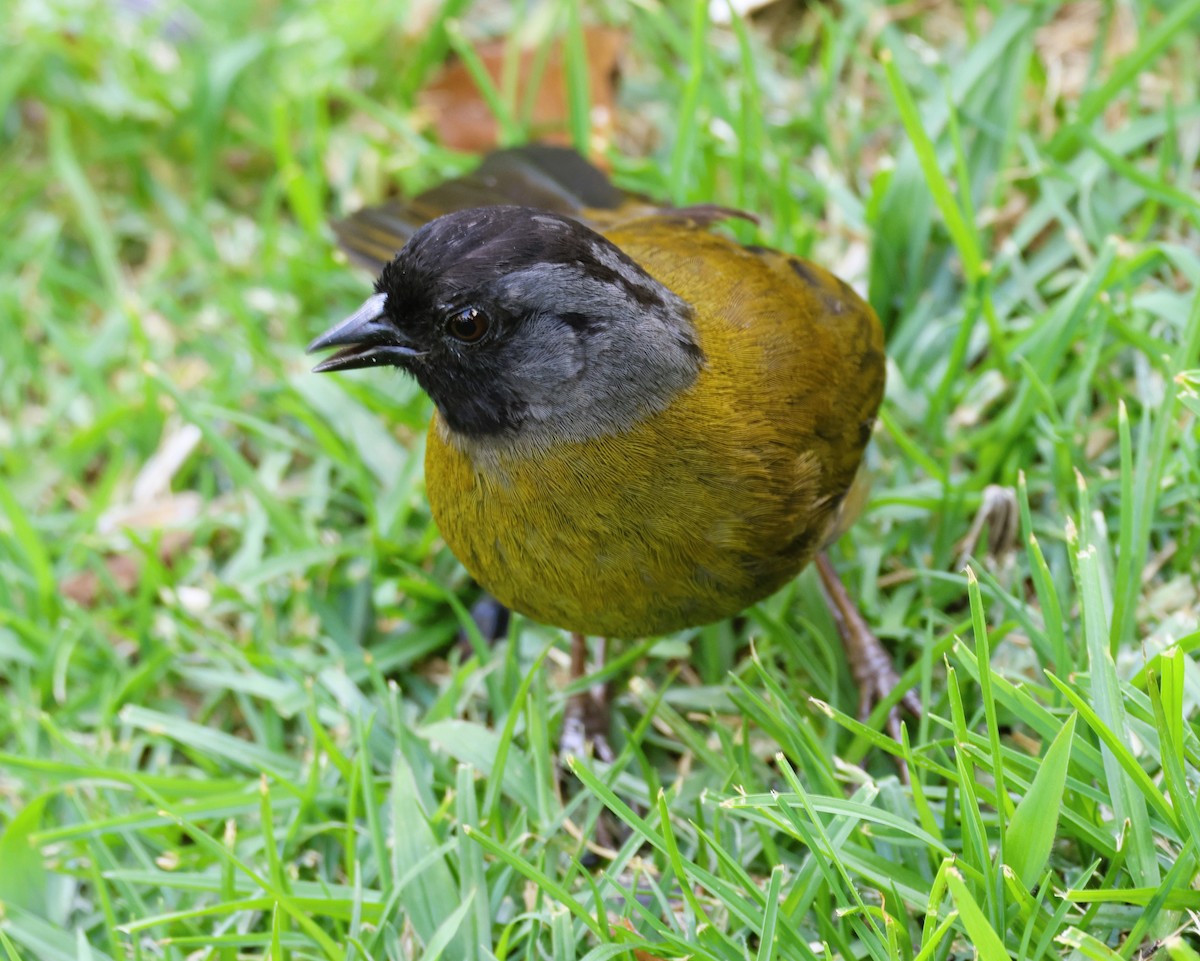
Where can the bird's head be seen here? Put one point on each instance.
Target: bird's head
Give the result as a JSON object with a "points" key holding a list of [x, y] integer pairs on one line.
{"points": [[522, 324]]}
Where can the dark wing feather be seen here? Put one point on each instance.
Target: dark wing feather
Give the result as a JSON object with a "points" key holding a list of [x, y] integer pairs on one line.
{"points": [[536, 175]]}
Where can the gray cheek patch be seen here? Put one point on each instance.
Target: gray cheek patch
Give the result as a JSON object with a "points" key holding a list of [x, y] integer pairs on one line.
{"points": [[634, 351]]}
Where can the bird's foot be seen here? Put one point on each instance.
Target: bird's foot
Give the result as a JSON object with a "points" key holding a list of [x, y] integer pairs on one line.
{"points": [[586, 718], [585, 729], [870, 663], [877, 679]]}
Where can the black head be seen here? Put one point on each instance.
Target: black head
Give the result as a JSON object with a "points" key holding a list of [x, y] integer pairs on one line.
{"points": [[519, 322]]}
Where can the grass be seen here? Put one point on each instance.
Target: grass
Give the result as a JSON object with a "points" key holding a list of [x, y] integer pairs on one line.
{"points": [[231, 725]]}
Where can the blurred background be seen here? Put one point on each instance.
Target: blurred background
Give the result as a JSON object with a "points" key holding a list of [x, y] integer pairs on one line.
{"points": [[234, 718]]}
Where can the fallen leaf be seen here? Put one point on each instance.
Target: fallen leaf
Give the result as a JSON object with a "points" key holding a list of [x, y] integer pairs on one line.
{"points": [[123, 570], [640, 953], [151, 506], [1066, 46], [154, 479], [173, 510], [723, 11], [463, 121]]}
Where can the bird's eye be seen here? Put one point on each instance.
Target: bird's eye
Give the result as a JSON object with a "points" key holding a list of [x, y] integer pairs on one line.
{"points": [[468, 325]]}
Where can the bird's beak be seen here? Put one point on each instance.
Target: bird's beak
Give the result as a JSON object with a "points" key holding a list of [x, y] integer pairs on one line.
{"points": [[367, 338]]}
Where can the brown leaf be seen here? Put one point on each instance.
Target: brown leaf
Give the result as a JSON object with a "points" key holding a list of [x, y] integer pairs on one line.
{"points": [[1066, 46], [173, 510], [151, 506], [640, 953], [723, 11], [124, 570], [463, 120]]}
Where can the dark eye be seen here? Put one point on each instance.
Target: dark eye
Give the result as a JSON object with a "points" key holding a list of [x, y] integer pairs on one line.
{"points": [[468, 325]]}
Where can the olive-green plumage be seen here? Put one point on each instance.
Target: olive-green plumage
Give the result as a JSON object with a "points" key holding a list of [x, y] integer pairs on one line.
{"points": [[663, 498], [708, 506]]}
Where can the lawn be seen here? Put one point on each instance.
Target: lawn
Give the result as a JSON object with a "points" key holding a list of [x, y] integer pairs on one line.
{"points": [[235, 721]]}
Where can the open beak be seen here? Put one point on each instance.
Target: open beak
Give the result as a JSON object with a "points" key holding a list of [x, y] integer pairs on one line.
{"points": [[367, 339]]}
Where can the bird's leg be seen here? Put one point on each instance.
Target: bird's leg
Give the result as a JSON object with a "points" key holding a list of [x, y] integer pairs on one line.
{"points": [[586, 719], [870, 663]]}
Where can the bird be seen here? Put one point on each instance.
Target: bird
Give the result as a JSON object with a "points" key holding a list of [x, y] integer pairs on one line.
{"points": [[640, 424]]}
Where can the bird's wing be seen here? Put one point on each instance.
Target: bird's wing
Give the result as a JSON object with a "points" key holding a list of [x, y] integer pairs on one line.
{"points": [[536, 175]]}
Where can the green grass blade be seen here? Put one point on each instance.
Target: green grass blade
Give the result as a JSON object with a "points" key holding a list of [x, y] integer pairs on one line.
{"points": [[1034, 823]]}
